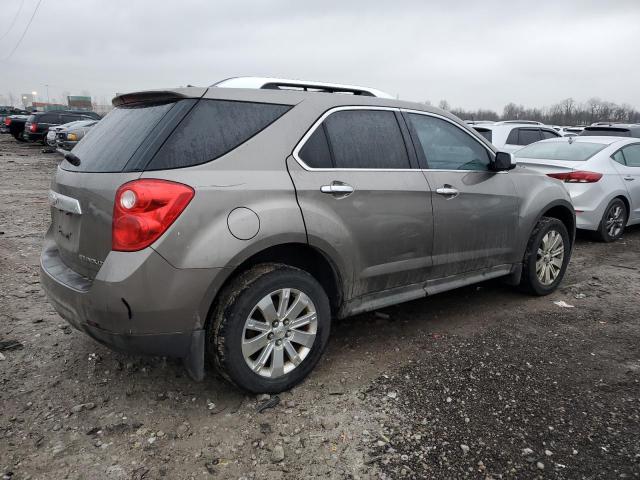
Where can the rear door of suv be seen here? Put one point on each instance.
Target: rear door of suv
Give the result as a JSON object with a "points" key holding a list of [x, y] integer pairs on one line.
{"points": [[475, 210], [363, 197], [628, 165]]}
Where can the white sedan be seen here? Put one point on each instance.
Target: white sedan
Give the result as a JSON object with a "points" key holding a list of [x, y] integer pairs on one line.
{"points": [[602, 175]]}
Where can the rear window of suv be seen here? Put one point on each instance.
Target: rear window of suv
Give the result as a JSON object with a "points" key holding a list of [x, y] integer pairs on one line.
{"points": [[179, 133]]}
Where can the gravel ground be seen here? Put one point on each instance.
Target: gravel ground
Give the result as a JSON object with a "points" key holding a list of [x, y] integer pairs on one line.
{"points": [[482, 382]]}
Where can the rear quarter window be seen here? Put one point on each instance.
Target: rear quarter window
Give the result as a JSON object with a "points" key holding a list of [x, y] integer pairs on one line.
{"points": [[212, 129]]}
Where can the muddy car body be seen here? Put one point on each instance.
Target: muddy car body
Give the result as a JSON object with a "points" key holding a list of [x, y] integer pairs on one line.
{"points": [[241, 248]]}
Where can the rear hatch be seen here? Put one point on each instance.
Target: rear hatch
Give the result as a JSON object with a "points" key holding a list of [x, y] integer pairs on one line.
{"points": [[112, 153]]}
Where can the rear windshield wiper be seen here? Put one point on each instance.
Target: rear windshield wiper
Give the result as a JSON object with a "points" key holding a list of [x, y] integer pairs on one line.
{"points": [[72, 158]]}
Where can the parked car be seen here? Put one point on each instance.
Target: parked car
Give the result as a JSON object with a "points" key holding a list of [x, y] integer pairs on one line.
{"points": [[509, 136], [15, 126], [5, 112], [233, 224], [602, 175], [38, 123], [67, 136], [614, 129]]}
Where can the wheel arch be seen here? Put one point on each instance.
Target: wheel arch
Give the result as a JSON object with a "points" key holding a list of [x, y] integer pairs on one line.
{"points": [[564, 212], [295, 254]]}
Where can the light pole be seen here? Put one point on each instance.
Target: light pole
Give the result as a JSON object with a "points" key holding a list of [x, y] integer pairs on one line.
{"points": [[34, 93], [47, 85]]}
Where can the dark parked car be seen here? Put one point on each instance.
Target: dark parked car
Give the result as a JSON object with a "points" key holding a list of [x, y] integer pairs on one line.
{"points": [[612, 130], [38, 124], [14, 124], [6, 112]]}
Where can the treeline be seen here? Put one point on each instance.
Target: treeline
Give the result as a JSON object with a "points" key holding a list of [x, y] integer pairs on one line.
{"points": [[566, 112]]}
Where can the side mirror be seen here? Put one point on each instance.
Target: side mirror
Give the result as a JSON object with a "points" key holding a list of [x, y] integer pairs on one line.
{"points": [[504, 161]]}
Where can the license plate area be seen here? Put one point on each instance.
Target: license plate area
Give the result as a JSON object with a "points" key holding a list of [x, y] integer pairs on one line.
{"points": [[66, 227]]}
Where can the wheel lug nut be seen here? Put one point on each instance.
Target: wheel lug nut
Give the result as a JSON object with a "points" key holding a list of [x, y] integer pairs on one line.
{"points": [[286, 322], [275, 323], [270, 336], [278, 342]]}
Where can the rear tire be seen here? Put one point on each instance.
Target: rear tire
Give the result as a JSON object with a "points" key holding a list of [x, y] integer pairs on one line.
{"points": [[613, 222], [265, 308], [546, 257]]}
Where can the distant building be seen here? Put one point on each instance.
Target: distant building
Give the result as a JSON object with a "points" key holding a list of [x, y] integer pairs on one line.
{"points": [[77, 102], [46, 107]]}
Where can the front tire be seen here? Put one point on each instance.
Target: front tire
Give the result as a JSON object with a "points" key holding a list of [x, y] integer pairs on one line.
{"points": [[613, 221], [269, 328], [546, 258]]}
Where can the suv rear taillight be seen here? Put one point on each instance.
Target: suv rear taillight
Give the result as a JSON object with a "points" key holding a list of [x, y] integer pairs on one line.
{"points": [[33, 128], [7, 121], [143, 211], [577, 176]]}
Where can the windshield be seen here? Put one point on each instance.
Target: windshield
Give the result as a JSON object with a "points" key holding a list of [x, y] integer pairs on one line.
{"points": [[569, 151]]}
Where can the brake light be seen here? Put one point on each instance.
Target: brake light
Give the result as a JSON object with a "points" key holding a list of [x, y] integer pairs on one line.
{"points": [[578, 176], [33, 127], [144, 210], [7, 121]]}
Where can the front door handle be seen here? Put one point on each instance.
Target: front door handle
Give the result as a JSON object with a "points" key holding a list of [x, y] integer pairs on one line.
{"points": [[629, 179], [447, 191], [337, 188]]}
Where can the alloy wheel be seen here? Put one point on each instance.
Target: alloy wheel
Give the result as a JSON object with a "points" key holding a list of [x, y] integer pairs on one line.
{"points": [[550, 257], [614, 223], [279, 332]]}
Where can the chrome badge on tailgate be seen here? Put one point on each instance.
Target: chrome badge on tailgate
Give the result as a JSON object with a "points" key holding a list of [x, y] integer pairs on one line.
{"points": [[62, 202]]}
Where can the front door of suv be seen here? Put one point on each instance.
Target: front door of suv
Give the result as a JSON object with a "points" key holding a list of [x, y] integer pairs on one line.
{"points": [[364, 199], [475, 210]]}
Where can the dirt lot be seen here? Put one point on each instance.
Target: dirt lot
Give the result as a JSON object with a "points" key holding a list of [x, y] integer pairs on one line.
{"points": [[482, 382]]}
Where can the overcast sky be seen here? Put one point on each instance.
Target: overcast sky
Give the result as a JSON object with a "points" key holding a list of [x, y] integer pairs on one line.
{"points": [[474, 54]]}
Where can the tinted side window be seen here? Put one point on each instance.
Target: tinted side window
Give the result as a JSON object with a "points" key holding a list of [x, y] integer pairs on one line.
{"points": [[366, 139], [528, 135], [549, 134], [512, 139], [47, 118], [66, 118], [485, 132], [619, 157], [447, 147], [213, 128], [315, 152], [632, 155]]}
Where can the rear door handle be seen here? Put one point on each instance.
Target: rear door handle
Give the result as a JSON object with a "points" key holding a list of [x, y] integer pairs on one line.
{"points": [[447, 191], [629, 179], [337, 188]]}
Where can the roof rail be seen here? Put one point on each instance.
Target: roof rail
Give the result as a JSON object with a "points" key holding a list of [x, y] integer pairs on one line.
{"points": [[304, 85]]}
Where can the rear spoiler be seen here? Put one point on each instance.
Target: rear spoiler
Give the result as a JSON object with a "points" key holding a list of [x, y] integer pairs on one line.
{"points": [[157, 96]]}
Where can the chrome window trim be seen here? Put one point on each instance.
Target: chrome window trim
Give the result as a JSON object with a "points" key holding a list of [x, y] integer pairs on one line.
{"points": [[318, 122]]}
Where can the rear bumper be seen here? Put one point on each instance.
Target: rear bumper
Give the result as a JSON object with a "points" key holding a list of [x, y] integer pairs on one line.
{"points": [[137, 303], [33, 137]]}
